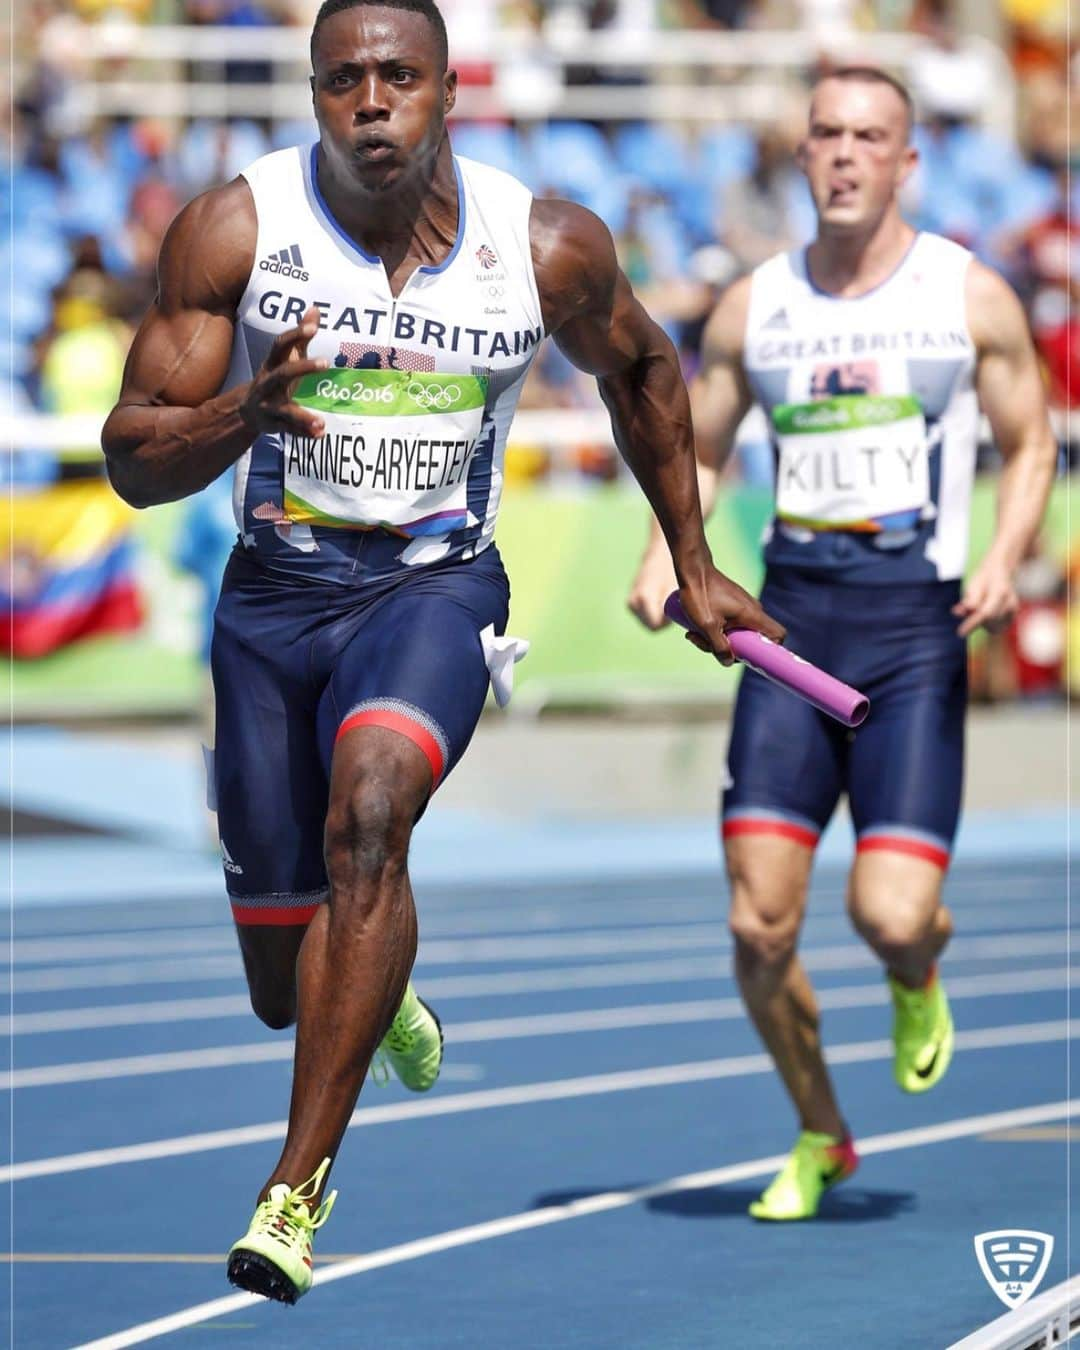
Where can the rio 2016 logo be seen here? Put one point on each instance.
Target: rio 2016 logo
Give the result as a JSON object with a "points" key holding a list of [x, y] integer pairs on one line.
{"points": [[356, 393], [440, 399]]}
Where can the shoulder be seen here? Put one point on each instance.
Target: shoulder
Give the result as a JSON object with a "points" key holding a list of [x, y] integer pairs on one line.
{"points": [[995, 316], [725, 333], [208, 251], [573, 257]]}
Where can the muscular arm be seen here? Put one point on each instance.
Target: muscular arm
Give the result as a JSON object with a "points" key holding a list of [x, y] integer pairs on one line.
{"points": [[171, 432], [594, 318], [1011, 393], [721, 398]]}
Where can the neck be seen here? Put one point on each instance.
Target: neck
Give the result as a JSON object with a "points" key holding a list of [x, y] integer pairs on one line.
{"points": [[851, 264], [418, 216]]}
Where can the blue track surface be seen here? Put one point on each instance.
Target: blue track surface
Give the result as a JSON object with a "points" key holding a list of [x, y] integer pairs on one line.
{"points": [[633, 962]]}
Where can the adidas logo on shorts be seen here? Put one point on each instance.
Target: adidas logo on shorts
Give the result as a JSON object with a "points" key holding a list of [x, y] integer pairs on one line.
{"points": [[288, 262], [227, 860]]}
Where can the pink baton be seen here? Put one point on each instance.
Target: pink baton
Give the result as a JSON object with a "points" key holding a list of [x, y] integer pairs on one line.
{"points": [[776, 663]]}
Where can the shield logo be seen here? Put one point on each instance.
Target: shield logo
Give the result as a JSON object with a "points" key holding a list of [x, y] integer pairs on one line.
{"points": [[1014, 1261]]}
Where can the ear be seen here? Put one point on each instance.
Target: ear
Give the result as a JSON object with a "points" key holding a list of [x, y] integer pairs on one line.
{"points": [[449, 92], [909, 162]]}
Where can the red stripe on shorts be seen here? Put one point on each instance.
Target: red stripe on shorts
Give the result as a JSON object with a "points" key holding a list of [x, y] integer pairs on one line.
{"points": [[784, 828], [897, 843], [264, 916], [395, 721]]}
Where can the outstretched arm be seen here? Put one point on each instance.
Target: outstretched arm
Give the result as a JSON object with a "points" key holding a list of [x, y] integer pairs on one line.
{"points": [[172, 432], [594, 318], [720, 399], [1011, 393]]}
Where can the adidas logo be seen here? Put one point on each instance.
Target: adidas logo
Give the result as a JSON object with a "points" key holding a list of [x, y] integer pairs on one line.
{"points": [[288, 262], [230, 866], [778, 320]]}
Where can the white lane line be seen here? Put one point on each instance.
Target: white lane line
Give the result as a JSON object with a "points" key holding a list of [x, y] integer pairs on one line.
{"points": [[494, 921], [604, 1203], [857, 1052], [515, 1028], [842, 956], [852, 957], [531, 946]]}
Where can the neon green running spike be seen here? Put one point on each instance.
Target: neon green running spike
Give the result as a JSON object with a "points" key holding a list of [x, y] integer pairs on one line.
{"points": [[817, 1162], [922, 1034], [413, 1046], [273, 1258]]}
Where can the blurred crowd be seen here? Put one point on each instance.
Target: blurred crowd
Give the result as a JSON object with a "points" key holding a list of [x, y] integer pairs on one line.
{"points": [[691, 207]]}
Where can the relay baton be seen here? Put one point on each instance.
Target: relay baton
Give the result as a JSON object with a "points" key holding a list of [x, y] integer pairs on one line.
{"points": [[776, 663]]}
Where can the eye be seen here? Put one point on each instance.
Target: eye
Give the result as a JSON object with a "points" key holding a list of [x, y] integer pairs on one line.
{"points": [[401, 76]]}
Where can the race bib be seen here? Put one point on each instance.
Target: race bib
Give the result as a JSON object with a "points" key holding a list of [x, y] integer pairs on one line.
{"points": [[396, 453], [853, 462]]}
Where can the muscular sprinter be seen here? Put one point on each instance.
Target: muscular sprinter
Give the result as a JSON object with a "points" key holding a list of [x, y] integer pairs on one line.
{"points": [[351, 324], [871, 353]]}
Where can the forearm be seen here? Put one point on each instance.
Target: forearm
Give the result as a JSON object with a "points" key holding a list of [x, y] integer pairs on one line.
{"points": [[708, 491], [1023, 491], [650, 418], [157, 455]]}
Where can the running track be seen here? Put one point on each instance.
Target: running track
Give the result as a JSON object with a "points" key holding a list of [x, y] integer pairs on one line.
{"points": [[579, 1177]]}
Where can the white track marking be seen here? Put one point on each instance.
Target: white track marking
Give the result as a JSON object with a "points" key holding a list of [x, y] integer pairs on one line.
{"points": [[561, 940], [515, 1028], [1032, 1033], [579, 1209], [211, 1009], [842, 956]]}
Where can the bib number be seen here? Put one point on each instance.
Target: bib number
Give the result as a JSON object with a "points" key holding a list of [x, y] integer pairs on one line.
{"points": [[396, 452], [851, 462]]}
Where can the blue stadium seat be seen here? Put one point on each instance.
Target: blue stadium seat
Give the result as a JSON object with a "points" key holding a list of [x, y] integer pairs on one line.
{"points": [[573, 159], [299, 131], [656, 156], [491, 143], [199, 156]]}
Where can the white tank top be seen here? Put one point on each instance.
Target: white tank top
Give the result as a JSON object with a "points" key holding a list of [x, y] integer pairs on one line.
{"points": [[873, 417], [421, 388]]}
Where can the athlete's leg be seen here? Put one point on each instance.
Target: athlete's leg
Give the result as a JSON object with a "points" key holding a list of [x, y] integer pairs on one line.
{"points": [[769, 875], [786, 770], [905, 818], [360, 947], [406, 693]]}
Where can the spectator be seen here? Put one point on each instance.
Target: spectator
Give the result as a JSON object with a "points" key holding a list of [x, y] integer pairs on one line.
{"points": [[757, 214]]}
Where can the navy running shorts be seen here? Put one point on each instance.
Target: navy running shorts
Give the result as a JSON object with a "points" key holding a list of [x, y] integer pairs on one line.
{"points": [[298, 663], [902, 770]]}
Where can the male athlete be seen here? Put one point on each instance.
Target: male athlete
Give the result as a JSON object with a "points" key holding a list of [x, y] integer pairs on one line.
{"points": [[870, 352], [370, 307]]}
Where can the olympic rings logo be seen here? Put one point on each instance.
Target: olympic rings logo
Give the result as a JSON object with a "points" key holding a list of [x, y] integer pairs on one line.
{"points": [[440, 399]]}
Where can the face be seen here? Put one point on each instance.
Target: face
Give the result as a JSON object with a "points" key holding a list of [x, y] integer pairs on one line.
{"points": [[381, 96], [856, 154]]}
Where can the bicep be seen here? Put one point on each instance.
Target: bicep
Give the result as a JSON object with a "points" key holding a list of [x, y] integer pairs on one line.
{"points": [[180, 355], [179, 358]]}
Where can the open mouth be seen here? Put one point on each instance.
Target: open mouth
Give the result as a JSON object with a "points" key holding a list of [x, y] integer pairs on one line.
{"points": [[374, 151]]}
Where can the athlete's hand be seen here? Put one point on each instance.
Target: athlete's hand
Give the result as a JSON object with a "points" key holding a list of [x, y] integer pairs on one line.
{"points": [[989, 600], [653, 584], [719, 603], [268, 404]]}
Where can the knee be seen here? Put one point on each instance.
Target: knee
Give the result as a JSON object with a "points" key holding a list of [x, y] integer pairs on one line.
{"points": [[894, 923], [765, 927], [367, 835]]}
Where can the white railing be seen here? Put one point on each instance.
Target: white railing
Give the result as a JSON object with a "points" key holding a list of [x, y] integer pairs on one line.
{"points": [[559, 430], [126, 68]]}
